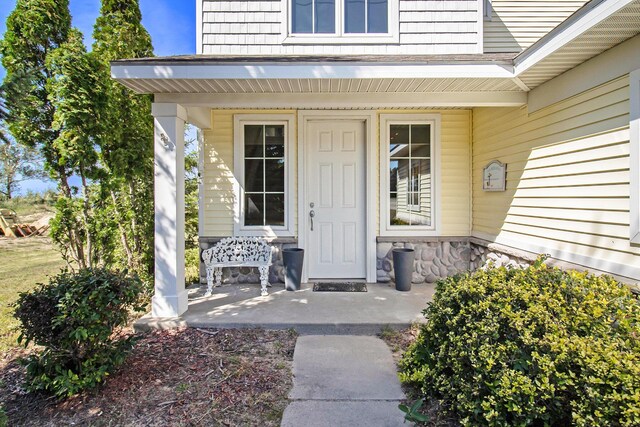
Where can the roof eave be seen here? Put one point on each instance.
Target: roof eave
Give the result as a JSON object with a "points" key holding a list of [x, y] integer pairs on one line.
{"points": [[585, 18]]}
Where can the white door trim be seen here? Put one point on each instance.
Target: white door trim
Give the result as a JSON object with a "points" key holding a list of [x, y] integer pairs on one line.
{"points": [[370, 119]]}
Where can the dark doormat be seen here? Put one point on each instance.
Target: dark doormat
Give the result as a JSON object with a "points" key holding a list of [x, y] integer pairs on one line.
{"points": [[339, 287]]}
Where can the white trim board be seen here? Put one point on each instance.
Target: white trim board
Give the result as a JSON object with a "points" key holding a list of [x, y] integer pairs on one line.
{"points": [[201, 172], [480, 4], [634, 138], [301, 70], [370, 119], [199, 16]]}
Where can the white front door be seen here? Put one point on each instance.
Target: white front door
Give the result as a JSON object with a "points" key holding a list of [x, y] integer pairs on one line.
{"points": [[335, 195]]}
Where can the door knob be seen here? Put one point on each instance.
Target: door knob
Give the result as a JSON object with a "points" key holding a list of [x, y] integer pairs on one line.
{"points": [[311, 215]]}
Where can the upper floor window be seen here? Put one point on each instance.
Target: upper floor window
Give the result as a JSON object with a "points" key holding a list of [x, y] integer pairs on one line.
{"points": [[365, 16], [313, 16], [340, 17]]}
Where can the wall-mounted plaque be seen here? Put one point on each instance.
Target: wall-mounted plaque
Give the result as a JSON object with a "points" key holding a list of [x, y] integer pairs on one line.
{"points": [[494, 176]]}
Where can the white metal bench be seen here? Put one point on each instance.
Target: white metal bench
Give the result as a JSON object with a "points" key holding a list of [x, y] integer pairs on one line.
{"points": [[237, 252]]}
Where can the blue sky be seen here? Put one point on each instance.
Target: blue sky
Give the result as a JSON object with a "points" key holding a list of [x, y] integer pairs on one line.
{"points": [[171, 24]]}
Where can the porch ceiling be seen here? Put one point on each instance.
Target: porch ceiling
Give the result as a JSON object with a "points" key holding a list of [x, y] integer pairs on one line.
{"points": [[321, 85]]}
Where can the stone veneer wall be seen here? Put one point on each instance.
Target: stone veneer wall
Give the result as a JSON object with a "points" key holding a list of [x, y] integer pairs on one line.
{"points": [[247, 274], [435, 258], [483, 253]]}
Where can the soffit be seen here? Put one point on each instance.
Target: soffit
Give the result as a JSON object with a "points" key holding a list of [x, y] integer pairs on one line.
{"points": [[321, 85], [615, 29]]}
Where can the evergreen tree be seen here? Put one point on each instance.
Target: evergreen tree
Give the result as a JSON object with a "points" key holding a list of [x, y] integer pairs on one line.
{"points": [[34, 29], [128, 150], [76, 92], [3, 116]]}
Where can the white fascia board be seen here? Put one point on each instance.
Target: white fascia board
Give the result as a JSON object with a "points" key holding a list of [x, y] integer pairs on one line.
{"points": [[346, 100], [567, 32], [346, 70], [634, 170], [199, 24]]}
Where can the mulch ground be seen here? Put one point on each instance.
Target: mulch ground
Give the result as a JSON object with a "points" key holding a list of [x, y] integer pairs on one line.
{"points": [[184, 377], [399, 342]]}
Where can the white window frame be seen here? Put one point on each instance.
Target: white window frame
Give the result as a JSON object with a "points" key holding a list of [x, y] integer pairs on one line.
{"points": [[634, 140], [414, 208], [239, 121], [386, 229], [340, 37]]}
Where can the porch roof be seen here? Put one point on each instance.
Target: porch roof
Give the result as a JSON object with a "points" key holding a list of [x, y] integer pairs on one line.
{"points": [[293, 74], [594, 28], [383, 80]]}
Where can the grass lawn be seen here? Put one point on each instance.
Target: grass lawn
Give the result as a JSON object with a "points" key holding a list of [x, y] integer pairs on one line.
{"points": [[23, 263], [183, 377]]}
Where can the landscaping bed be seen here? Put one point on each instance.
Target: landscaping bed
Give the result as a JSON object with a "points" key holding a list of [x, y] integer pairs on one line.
{"points": [[530, 346], [399, 342], [180, 377]]}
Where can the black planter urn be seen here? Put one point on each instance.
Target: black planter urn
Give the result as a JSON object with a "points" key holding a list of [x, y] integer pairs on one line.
{"points": [[403, 268], [292, 258]]}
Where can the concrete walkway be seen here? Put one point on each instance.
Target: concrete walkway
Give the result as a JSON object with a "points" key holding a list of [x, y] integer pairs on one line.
{"points": [[343, 380]]}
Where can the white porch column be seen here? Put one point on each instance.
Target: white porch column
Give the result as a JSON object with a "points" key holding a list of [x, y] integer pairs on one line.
{"points": [[170, 298]]}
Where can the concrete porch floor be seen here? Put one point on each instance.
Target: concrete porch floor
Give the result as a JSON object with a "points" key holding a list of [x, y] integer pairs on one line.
{"points": [[308, 312]]}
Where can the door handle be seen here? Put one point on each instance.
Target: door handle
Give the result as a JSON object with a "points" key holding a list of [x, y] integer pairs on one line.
{"points": [[311, 215]]}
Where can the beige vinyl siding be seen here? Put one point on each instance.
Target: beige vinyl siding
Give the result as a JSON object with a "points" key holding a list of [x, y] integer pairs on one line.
{"points": [[567, 179], [517, 24], [218, 177], [455, 181], [255, 27], [455, 161]]}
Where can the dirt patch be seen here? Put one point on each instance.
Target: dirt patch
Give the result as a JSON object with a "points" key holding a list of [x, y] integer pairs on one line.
{"points": [[38, 243], [184, 377], [399, 342]]}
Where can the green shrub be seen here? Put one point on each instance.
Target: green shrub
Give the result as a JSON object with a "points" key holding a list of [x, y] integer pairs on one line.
{"points": [[534, 346], [77, 318], [192, 266]]}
